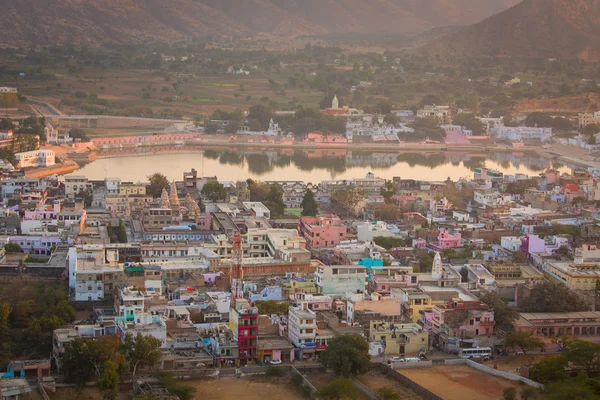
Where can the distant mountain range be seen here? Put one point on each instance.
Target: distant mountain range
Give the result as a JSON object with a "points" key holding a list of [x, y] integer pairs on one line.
{"points": [[533, 28], [151, 21]]}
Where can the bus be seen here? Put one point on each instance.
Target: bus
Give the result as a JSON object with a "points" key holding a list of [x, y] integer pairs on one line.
{"points": [[476, 352]]}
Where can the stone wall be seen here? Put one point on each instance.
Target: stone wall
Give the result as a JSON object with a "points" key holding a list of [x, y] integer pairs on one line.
{"points": [[503, 374]]}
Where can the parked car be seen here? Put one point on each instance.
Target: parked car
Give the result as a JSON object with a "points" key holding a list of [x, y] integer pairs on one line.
{"points": [[275, 362]]}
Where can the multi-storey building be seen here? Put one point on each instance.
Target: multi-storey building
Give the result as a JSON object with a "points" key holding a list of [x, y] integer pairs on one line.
{"points": [[397, 338], [322, 231], [35, 158], [75, 184], [441, 113], [584, 323], [157, 218], [302, 329], [243, 322], [339, 279], [94, 272]]}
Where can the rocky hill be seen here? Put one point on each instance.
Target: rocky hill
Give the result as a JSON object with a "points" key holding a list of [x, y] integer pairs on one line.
{"points": [[145, 21], [533, 28]]}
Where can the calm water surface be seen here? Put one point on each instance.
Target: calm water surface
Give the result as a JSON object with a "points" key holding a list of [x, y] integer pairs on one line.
{"points": [[231, 165]]}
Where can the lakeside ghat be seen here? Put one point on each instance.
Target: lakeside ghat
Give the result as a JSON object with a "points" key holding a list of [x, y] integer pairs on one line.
{"points": [[277, 164]]}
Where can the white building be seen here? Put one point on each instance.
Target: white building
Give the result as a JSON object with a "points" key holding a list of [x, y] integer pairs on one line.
{"points": [[519, 133], [510, 243], [94, 271], [442, 113], [112, 185], [488, 197], [76, 183], [302, 326], [257, 208], [366, 231], [53, 136], [35, 158]]}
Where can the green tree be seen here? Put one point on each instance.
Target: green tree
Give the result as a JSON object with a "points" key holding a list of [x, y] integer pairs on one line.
{"points": [[109, 381], [388, 393], [157, 182], [509, 393], [552, 297], [87, 196], [309, 205], [523, 340], [519, 257], [122, 233], [563, 250], [75, 364], [471, 122], [528, 393], [504, 315], [569, 390], [168, 380], [387, 191], [214, 191], [551, 369], [274, 201], [347, 355], [267, 307], [585, 356], [388, 242], [12, 247], [141, 351], [340, 389]]}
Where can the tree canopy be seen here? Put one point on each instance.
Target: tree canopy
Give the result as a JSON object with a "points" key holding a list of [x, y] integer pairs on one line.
{"points": [[470, 122], [141, 351], [522, 340], [157, 182], [309, 205], [347, 355], [504, 315], [274, 201], [552, 297], [214, 191]]}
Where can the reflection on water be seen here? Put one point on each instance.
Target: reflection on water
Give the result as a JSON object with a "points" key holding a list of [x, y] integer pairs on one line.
{"points": [[309, 166]]}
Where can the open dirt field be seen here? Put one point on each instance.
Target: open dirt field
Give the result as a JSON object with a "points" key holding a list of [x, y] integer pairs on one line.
{"points": [[586, 102], [375, 380], [459, 382], [200, 94], [245, 388]]}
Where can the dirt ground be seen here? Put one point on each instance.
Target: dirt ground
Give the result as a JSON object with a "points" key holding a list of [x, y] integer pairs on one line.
{"points": [[459, 382], [585, 102], [375, 380], [245, 388]]}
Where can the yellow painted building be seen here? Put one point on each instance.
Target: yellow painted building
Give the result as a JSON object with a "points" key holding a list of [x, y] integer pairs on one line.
{"points": [[132, 189], [576, 276], [406, 340]]}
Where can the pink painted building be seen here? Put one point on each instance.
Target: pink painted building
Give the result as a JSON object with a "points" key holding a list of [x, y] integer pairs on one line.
{"points": [[203, 222], [322, 231], [445, 240], [384, 284], [324, 138], [314, 302], [43, 211], [147, 139]]}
